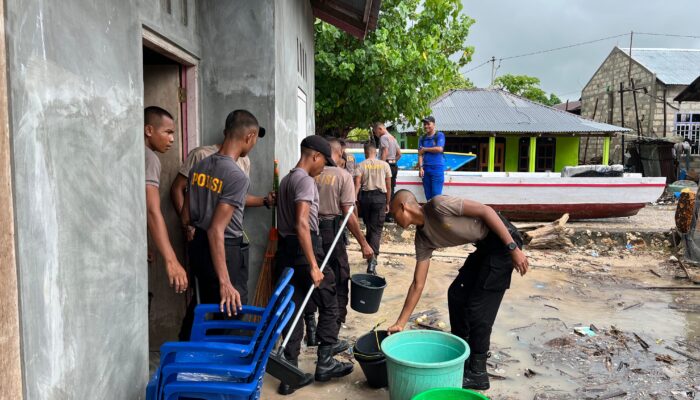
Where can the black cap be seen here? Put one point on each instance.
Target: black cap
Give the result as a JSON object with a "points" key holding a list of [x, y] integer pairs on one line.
{"points": [[429, 118], [261, 131], [321, 145]]}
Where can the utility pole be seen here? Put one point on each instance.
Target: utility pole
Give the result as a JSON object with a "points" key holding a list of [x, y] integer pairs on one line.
{"points": [[493, 70], [629, 70], [636, 111], [622, 118]]}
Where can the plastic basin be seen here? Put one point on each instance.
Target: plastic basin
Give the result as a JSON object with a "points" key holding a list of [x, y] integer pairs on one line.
{"points": [[449, 394], [366, 292], [419, 360]]}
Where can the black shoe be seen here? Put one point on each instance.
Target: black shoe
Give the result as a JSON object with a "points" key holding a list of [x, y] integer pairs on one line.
{"points": [[285, 389], [328, 367], [310, 322], [372, 266], [340, 346], [475, 375]]}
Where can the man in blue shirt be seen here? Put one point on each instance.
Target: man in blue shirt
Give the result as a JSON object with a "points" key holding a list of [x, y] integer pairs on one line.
{"points": [[431, 159]]}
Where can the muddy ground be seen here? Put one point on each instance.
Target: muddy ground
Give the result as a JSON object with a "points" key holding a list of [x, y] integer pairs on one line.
{"points": [[645, 339]]}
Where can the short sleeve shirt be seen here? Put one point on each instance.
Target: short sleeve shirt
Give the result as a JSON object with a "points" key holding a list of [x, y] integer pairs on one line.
{"points": [[350, 163], [202, 152], [374, 173], [335, 189], [218, 179], [386, 141], [152, 168], [433, 160], [295, 187], [445, 226]]}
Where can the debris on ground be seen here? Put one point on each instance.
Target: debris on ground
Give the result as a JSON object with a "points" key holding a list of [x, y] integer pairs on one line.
{"points": [[553, 236]]}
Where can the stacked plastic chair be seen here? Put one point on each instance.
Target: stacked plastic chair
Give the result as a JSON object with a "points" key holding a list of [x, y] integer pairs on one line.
{"points": [[215, 365]]}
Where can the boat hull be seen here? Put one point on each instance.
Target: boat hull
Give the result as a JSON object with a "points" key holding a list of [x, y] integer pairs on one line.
{"points": [[546, 196]]}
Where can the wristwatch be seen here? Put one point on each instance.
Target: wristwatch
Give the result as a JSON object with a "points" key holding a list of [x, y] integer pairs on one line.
{"points": [[512, 246]]}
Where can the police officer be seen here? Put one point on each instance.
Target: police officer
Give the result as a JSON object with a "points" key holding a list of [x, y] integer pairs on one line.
{"points": [[336, 192], [373, 188], [214, 205], [389, 151], [301, 244], [475, 295]]}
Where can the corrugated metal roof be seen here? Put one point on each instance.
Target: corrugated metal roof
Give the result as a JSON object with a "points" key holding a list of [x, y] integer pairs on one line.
{"points": [[671, 66], [494, 110]]}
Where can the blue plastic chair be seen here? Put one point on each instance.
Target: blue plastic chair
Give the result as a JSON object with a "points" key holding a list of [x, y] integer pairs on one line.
{"points": [[249, 389], [217, 358], [202, 325]]}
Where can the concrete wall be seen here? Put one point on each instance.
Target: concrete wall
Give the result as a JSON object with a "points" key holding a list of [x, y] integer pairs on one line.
{"points": [[78, 169], [76, 86], [294, 26], [566, 152]]}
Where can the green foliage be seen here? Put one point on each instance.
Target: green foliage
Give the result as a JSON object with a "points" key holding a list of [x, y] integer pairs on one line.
{"points": [[359, 135], [412, 57], [527, 87]]}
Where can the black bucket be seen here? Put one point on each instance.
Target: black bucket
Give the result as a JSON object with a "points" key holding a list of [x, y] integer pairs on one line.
{"points": [[371, 358], [366, 293]]}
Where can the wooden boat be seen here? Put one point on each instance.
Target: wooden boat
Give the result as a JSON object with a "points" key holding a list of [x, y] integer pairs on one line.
{"points": [[409, 159], [545, 196]]}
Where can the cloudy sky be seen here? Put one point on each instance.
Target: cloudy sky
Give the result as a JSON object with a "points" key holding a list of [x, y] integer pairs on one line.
{"points": [[506, 28]]}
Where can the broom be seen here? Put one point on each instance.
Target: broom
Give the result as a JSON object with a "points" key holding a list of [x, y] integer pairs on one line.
{"points": [[263, 290]]}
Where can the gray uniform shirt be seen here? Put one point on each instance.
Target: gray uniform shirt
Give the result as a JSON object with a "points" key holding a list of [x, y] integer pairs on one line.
{"points": [[217, 179], [152, 168], [386, 141], [295, 187]]}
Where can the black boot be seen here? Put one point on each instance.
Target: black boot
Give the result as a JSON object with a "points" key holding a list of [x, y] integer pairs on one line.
{"points": [[340, 346], [475, 375], [285, 389], [328, 367], [372, 266], [310, 322]]}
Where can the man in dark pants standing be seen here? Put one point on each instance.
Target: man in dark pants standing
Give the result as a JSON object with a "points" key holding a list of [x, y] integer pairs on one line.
{"points": [[300, 244], [214, 205], [475, 295], [373, 185], [336, 192], [389, 151]]}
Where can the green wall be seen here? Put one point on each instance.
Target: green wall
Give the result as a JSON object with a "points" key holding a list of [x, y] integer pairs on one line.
{"points": [[566, 153], [412, 142], [512, 153]]}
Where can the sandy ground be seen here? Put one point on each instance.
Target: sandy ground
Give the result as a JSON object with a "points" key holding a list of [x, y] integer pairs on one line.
{"points": [[535, 326]]}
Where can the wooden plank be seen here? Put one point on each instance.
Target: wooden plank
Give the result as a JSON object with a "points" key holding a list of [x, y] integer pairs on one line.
{"points": [[10, 356]]}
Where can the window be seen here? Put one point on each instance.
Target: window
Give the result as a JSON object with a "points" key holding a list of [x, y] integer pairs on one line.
{"points": [[544, 154], [688, 126]]}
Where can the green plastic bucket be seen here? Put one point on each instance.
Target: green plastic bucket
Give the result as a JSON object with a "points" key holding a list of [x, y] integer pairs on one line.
{"points": [[449, 394], [422, 360]]}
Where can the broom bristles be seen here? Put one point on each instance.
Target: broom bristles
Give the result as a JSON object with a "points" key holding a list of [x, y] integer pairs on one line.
{"points": [[263, 290]]}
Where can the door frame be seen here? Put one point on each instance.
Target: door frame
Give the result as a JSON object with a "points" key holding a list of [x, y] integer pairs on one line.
{"points": [[189, 80]]}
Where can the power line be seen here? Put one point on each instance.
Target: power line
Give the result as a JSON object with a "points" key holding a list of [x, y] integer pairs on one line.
{"points": [[477, 67], [667, 35], [564, 47]]}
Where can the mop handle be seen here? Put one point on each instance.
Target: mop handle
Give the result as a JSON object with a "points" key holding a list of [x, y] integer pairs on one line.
{"points": [[323, 265]]}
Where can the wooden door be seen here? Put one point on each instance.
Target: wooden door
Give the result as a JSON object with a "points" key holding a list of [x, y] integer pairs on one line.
{"points": [[161, 85], [499, 159]]}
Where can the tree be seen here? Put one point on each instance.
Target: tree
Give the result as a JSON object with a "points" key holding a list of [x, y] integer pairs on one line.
{"points": [[412, 57], [527, 87]]}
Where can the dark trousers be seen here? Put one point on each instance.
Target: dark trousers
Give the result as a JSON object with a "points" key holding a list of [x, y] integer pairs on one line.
{"points": [[475, 295], [373, 212], [394, 173], [339, 263], [202, 268], [290, 254]]}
